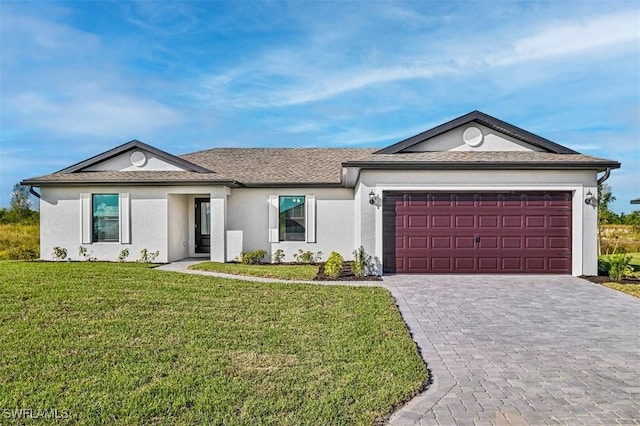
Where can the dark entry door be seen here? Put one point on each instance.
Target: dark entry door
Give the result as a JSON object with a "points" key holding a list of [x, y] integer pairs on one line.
{"points": [[477, 232], [203, 225]]}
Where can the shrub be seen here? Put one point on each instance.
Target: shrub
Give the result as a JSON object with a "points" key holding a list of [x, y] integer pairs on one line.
{"points": [[22, 253], [603, 267], [148, 257], [307, 256], [122, 256], [361, 262], [59, 253], [620, 267], [82, 251], [333, 266], [253, 257], [278, 256]]}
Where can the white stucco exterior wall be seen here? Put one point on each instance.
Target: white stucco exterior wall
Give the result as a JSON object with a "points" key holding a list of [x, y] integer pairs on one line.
{"points": [[61, 222], [584, 217], [248, 211]]}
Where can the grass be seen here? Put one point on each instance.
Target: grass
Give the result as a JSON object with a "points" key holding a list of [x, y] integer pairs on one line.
{"points": [[632, 289], [283, 272], [124, 344], [19, 241], [635, 259]]}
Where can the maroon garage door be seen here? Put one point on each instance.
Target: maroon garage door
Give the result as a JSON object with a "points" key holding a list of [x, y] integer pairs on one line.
{"points": [[477, 232]]}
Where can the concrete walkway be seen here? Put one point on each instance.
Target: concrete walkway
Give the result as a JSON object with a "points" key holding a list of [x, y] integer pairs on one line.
{"points": [[514, 350]]}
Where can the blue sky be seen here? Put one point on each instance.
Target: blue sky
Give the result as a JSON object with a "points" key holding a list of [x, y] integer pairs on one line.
{"points": [[78, 78]]}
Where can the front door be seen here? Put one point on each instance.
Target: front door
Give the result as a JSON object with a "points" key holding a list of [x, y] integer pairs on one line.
{"points": [[203, 225]]}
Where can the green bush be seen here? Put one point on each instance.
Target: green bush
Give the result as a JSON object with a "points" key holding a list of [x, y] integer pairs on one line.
{"points": [[334, 265], [620, 267], [253, 257], [23, 253], [603, 267], [278, 256], [148, 257], [122, 256], [59, 253], [307, 256], [361, 262]]}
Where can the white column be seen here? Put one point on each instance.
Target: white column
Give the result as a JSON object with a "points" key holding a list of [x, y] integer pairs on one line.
{"points": [[219, 226]]}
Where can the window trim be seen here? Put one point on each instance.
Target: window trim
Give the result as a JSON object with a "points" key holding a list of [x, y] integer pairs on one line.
{"points": [[282, 234], [94, 239]]}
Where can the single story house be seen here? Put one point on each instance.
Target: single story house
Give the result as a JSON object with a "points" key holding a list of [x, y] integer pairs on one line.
{"points": [[473, 195]]}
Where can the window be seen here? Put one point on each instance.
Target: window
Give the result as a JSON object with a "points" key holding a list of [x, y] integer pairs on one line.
{"points": [[106, 218], [292, 218]]}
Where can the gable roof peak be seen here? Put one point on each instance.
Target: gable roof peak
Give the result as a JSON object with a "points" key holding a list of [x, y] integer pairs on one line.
{"points": [[131, 145], [486, 120]]}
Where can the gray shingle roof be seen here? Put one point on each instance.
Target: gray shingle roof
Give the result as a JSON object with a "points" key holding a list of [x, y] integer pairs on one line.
{"points": [[137, 177], [262, 166], [482, 159], [318, 166]]}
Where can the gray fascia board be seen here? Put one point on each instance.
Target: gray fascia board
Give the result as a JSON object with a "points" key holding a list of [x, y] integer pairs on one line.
{"points": [[486, 120], [470, 165], [41, 184], [132, 145], [293, 185]]}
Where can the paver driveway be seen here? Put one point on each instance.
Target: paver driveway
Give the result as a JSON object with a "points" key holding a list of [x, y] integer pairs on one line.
{"points": [[522, 350]]}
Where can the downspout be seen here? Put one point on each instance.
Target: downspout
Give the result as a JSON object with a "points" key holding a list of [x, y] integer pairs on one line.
{"points": [[607, 173], [33, 192]]}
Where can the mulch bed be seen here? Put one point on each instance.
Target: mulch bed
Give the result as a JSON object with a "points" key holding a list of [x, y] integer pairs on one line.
{"points": [[600, 279], [346, 274]]}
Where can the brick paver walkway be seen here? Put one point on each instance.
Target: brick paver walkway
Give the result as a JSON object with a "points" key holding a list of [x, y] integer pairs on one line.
{"points": [[522, 350]]}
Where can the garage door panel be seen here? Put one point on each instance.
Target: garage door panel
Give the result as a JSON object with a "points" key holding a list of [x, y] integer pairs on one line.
{"points": [[465, 264], [518, 232], [465, 221], [535, 221], [511, 243], [511, 264], [512, 221], [558, 222], [488, 242], [558, 243], [535, 242], [417, 242], [440, 221], [417, 263], [441, 242], [464, 242], [488, 264], [535, 264], [441, 264], [416, 221]]}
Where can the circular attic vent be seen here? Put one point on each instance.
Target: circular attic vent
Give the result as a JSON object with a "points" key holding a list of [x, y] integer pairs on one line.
{"points": [[472, 136], [138, 158]]}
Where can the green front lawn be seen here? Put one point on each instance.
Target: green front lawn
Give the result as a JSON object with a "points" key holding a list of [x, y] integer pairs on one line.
{"points": [[283, 272], [635, 259], [125, 344], [632, 289]]}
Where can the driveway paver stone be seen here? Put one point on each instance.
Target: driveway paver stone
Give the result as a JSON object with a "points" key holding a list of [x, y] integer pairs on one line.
{"points": [[521, 350]]}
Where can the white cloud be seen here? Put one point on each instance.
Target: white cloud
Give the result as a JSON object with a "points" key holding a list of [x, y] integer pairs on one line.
{"points": [[305, 73], [99, 114], [570, 38]]}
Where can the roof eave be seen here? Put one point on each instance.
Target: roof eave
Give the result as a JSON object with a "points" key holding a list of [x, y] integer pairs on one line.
{"points": [[474, 165], [171, 182]]}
